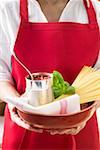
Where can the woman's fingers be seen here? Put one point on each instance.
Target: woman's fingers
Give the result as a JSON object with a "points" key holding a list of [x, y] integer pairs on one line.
{"points": [[16, 119], [72, 131], [23, 124]]}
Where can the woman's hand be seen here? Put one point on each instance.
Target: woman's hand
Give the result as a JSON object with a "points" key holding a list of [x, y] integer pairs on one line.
{"points": [[71, 131], [10, 91], [15, 118]]}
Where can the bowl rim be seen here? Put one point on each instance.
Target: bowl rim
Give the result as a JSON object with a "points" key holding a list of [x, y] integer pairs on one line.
{"points": [[39, 73], [60, 115]]}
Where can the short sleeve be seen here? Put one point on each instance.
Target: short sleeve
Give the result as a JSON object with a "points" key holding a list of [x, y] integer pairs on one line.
{"points": [[5, 54], [96, 5]]}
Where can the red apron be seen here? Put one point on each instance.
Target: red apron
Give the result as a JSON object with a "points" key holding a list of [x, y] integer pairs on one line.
{"points": [[62, 46]]}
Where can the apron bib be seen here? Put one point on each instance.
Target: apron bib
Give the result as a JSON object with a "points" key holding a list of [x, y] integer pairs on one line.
{"points": [[47, 47]]}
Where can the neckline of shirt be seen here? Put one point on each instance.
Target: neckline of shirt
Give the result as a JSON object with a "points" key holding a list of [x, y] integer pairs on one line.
{"points": [[43, 15]]}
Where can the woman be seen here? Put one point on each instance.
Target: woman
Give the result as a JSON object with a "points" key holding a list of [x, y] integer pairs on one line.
{"points": [[46, 35]]}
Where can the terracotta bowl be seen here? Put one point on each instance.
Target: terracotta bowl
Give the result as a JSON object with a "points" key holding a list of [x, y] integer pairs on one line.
{"points": [[59, 121]]}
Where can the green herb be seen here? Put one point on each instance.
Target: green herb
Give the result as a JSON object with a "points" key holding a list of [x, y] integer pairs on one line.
{"points": [[60, 86]]}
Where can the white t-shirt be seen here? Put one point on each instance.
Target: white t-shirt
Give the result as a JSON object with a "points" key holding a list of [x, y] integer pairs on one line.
{"points": [[10, 21]]}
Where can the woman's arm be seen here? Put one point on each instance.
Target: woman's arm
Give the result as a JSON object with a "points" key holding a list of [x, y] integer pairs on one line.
{"points": [[6, 80]]}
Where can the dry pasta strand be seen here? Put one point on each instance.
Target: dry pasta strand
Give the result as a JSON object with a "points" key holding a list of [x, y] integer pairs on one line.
{"points": [[87, 84]]}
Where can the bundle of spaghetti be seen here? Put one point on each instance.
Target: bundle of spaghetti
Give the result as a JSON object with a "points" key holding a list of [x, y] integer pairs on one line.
{"points": [[87, 84]]}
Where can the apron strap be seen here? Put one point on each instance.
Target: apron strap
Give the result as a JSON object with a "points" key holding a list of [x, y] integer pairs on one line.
{"points": [[24, 10], [90, 12]]}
